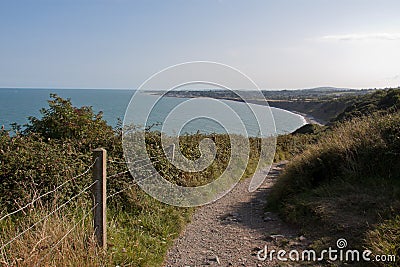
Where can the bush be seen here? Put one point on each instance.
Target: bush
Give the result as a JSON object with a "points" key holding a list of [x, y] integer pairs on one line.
{"points": [[31, 167], [62, 121]]}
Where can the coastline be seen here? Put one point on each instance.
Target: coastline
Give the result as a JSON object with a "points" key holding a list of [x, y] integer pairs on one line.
{"points": [[308, 118]]}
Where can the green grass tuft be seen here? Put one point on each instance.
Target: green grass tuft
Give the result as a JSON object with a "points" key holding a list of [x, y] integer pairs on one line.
{"points": [[346, 185]]}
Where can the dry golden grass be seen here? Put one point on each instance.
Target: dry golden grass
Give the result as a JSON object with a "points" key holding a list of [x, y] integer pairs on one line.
{"points": [[62, 239], [137, 235]]}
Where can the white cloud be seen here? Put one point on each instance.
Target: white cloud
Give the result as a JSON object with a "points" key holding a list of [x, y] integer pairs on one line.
{"points": [[363, 37]]}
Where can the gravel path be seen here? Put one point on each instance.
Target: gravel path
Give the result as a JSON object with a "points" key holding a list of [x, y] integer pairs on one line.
{"points": [[230, 231]]}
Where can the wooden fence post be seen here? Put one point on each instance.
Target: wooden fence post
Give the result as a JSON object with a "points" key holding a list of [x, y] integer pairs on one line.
{"points": [[100, 196]]}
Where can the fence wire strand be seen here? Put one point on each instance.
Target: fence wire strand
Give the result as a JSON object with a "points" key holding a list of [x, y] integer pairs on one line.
{"points": [[130, 162], [139, 167], [68, 232], [148, 164], [48, 215], [47, 193], [117, 174], [129, 187]]}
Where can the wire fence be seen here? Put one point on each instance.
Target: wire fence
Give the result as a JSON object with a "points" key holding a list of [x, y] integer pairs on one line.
{"points": [[128, 187], [48, 215], [118, 174], [47, 193], [66, 234], [131, 162], [99, 166], [135, 180]]}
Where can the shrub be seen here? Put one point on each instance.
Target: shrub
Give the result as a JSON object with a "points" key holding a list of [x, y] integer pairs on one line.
{"points": [[63, 121]]}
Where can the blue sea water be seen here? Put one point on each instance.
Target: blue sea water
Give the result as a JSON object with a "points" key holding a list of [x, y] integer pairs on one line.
{"points": [[16, 105]]}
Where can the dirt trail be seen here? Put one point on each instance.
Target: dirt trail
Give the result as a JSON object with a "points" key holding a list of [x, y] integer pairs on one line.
{"points": [[230, 231]]}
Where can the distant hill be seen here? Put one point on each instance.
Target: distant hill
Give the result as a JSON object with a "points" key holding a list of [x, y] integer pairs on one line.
{"points": [[318, 93], [327, 88]]}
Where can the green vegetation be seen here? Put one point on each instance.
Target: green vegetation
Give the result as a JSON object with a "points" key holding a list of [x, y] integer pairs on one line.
{"points": [[289, 145], [381, 101], [343, 180], [56, 147], [48, 153], [347, 184]]}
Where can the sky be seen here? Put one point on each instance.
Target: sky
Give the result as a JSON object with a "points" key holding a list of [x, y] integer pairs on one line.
{"points": [[283, 44]]}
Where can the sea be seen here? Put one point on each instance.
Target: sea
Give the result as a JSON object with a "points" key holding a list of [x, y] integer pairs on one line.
{"points": [[17, 104]]}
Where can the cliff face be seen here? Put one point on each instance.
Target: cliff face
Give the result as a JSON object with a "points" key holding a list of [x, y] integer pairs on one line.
{"points": [[322, 111]]}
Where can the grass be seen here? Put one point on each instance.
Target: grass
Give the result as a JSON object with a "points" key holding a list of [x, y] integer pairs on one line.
{"points": [[346, 186], [142, 238], [140, 228], [41, 246], [136, 237], [385, 238], [290, 145]]}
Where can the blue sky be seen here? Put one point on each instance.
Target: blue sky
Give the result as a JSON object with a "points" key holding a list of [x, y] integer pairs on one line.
{"points": [[120, 43]]}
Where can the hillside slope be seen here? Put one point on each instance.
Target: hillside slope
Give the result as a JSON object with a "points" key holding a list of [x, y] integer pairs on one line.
{"points": [[347, 185], [378, 101]]}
